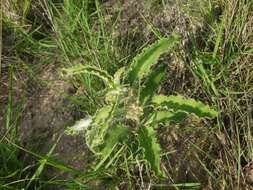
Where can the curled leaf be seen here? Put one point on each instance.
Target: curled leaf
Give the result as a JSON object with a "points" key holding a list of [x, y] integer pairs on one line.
{"points": [[189, 105], [149, 57]]}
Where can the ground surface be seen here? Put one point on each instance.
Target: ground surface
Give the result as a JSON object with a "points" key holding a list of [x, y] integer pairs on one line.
{"points": [[47, 110]]}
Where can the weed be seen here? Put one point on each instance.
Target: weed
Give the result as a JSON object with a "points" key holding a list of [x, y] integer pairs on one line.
{"points": [[132, 111]]}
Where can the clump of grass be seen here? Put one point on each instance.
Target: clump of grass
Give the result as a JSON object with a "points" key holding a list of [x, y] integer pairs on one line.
{"points": [[220, 61], [84, 35], [21, 62]]}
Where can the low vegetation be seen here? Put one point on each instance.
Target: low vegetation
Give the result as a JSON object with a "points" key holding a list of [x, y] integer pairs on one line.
{"points": [[160, 93], [132, 111]]}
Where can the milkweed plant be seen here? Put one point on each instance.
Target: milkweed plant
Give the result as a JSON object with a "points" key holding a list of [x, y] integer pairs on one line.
{"points": [[132, 110]]}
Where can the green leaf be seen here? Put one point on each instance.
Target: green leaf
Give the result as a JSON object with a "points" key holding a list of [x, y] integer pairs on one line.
{"points": [[166, 116], [113, 137], [149, 56], [188, 105], [95, 134], [82, 69], [42, 165], [152, 84], [147, 139]]}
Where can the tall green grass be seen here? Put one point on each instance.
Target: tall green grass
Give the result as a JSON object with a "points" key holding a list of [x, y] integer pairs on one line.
{"points": [[30, 45], [84, 36], [222, 65]]}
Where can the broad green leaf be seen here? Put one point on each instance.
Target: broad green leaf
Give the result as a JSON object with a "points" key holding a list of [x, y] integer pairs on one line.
{"points": [[166, 116], [82, 69], [149, 56], [188, 105], [113, 137], [152, 84], [148, 140], [96, 132], [102, 115]]}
